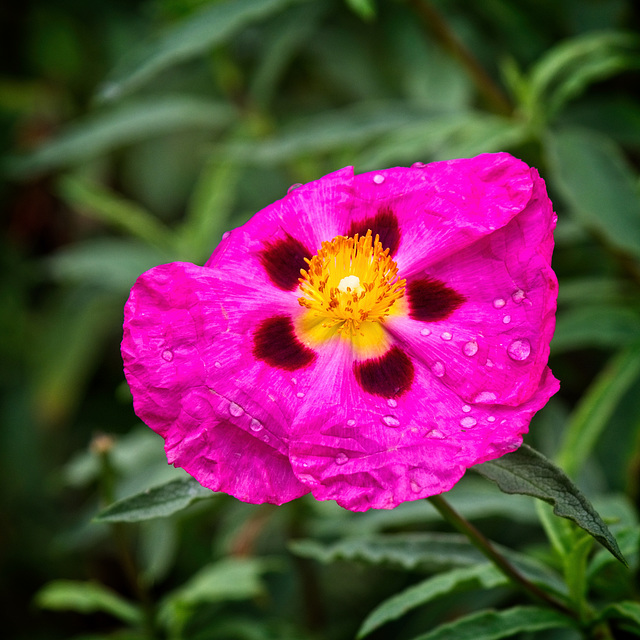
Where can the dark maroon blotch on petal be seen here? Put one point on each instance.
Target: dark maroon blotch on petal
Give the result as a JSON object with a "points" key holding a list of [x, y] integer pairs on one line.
{"points": [[431, 300], [388, 376], [275, 343], [283, 260], [385, 224]]}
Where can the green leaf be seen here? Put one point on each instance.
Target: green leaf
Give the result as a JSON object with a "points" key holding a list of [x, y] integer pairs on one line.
{"points": [[568, 68], [86, 597], [483, 576], [366, 9], [194, 36], [420, 552], [595, 326], [596, 407], [100, 203], [158, 502], [492, 625], [627, 609], [528, 472], [597, 182], [123, 125]]}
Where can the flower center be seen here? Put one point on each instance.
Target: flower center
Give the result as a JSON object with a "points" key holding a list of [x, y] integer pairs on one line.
{"points": [[350, 281]]}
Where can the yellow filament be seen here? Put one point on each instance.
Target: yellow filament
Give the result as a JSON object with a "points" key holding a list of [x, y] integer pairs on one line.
{"points": [[349, 282]]}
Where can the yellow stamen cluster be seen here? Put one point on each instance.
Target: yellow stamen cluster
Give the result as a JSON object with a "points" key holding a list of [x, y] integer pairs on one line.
{"points": [[351, 281]]}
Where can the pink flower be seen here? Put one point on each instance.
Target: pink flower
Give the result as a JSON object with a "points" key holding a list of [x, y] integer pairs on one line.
{"points": [[413, 344]]}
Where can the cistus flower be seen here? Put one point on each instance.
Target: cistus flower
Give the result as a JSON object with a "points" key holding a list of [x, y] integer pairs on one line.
{"points": [[367, 338]]}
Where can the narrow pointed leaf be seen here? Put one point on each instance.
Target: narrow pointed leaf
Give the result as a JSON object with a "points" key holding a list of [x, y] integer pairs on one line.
{"points": [[492, 625], [482, 576], [158, 502], [193, 36], [528, 472], [626, 609]]}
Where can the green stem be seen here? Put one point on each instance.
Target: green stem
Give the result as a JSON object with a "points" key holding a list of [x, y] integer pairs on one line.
{"points": [[483, 81], [485, 547]]}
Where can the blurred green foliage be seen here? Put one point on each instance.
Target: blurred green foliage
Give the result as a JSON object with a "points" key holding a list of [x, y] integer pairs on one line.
{"points": [[136, 133]]}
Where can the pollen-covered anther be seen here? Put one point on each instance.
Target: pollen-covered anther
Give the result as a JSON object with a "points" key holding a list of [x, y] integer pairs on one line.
{"points": [[349, 281]]}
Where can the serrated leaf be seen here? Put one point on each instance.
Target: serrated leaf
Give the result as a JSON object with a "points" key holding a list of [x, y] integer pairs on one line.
{"points": [[123, 125], [194, 36], [86, 597], [158, 502], [598, 184], [492, 625], [483, 576], [596, 407], [421, 552], [528, 472]]}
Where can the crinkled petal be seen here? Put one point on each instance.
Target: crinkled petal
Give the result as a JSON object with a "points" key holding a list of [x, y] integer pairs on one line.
{"points": [[195, 381], [444, 206]]}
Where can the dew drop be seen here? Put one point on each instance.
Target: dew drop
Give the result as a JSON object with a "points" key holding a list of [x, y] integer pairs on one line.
{"points": [[226, 234], [470, 348], [235, 410], [437, 434], [392, 403], [506, 319], [498, 303], [491, 419], [415, 487], [489, 363], [446, 336], [294, 381], [518, 296], [485, 397], [425, 332], [438, 369], [519, 349], [266, 438], [341, 458], [255, 425], [418, 165], [294, 186], [300, 394], [167, 355], [467, 422], [217, 365], [466, 408], [378, 178], [351, 423], [391, 421]]}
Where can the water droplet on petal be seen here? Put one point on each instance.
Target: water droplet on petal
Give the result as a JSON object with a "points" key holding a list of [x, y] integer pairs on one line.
{"points": [[378, 178], [255, 425], [351, 423], [489, 363], [415, 487], [446, 336], [217, 365], [518, 296], [486, 397], [294, 381], [226, 234], [167, 355], [425, 332], [300, 394], [506, 319], [491, 419], [498, 303], [235, 410], [466, 408], [437, 368], [392, 403], [437, 434], [294, 186], [467, 422], [341, 458], [418, 165], [470, 348], [519, 349], [391, 421]]}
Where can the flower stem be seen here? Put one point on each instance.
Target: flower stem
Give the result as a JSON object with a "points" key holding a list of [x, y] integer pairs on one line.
{"points": [[485, 547]]}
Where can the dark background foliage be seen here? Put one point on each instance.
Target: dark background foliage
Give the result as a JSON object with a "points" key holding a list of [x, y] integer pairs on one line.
{"points": [[135, 133]]}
